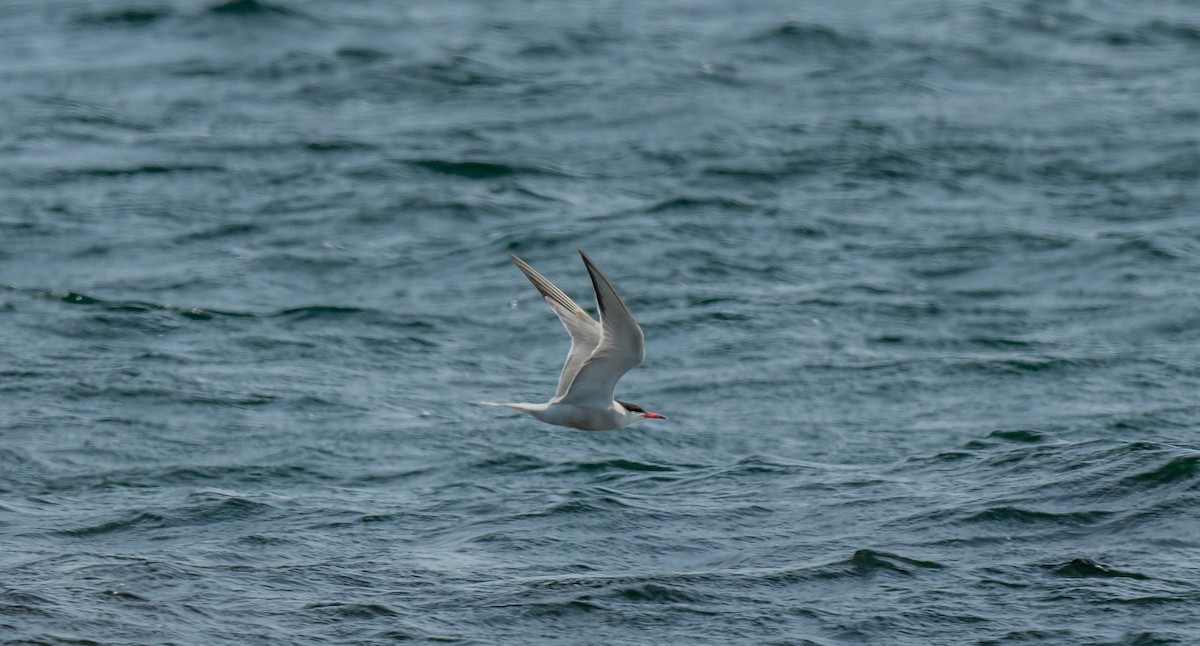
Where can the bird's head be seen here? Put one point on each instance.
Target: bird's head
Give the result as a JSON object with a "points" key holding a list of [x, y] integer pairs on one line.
{"points": [[640, 412]]}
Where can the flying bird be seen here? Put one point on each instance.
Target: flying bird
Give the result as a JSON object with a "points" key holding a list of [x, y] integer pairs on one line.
{"points": [[601, 353]]}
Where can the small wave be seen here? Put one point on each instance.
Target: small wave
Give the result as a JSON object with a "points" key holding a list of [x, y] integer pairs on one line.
{"points": [[1020, 516], [362, 54], [230, 230], [193, 313], [862, 563], [1085, 568], [219, 509], [675, 589], [866, 561], [690, 204], [310, 312], [214, 507], [1010, 365], [26, 604], [138, 17], [134, 521], [480, 169], [146, 478], [656, 593], [511, 463], [337, 145], [1177, 469], [299, 313], [251, 8], [558, 609], [353, 610], [620, 464], [1021, 436], [811, 37], [1154, 33], [86, 172]]}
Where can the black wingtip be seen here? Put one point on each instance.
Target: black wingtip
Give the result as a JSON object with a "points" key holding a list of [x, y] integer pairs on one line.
{"points": [[593, 270]]}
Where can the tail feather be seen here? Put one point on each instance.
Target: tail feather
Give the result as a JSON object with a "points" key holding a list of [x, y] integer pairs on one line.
{"points": [[524, 408]]}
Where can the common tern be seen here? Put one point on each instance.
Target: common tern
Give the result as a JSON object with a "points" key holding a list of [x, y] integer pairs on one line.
{"points": [[601, 353]]}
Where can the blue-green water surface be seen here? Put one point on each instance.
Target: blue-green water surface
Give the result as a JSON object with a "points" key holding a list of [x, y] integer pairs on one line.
{"points": [[919, 283]]}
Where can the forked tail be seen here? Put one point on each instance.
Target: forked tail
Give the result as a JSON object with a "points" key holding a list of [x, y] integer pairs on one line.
{"points": [[524, 408]]}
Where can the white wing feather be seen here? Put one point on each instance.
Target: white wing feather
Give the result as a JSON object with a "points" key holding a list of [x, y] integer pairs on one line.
{"points": [[620, 348], [584, 330]]}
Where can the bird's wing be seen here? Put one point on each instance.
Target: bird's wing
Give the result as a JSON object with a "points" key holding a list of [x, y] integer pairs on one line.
{"points": [[619, 350], [584, 330]]}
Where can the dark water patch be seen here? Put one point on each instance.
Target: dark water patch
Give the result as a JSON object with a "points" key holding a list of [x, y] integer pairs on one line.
{"points": [[130, 17], [197, 68], [322, 313], [230, 230], [135, 386], [394, 476], [362, 611], [620, 464], [1019, 436], [797, 167], [456, 72], [252, 9], [23, 603], [135, 569], [1147, 422], [216, 510], [1155, 33], [1150, 248], [1020, 459], [1032, 636], [652, 593], [559, 609], [343, 145], [573, 507], [511, 463], [1003, 343], [869, 563], [68, 111], [689, 204], [1034, 364], [130, 522], [132, 171], [1019, 516], [1178, 469], [758, 465], [1087, 568], [1154, 638], [362, 54], [259, 540], [122, 595], [955, 456], [666, 589], [277, 344], [211, 508], [480, 169], [134, 306], [892, 165], [811, 37]]}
